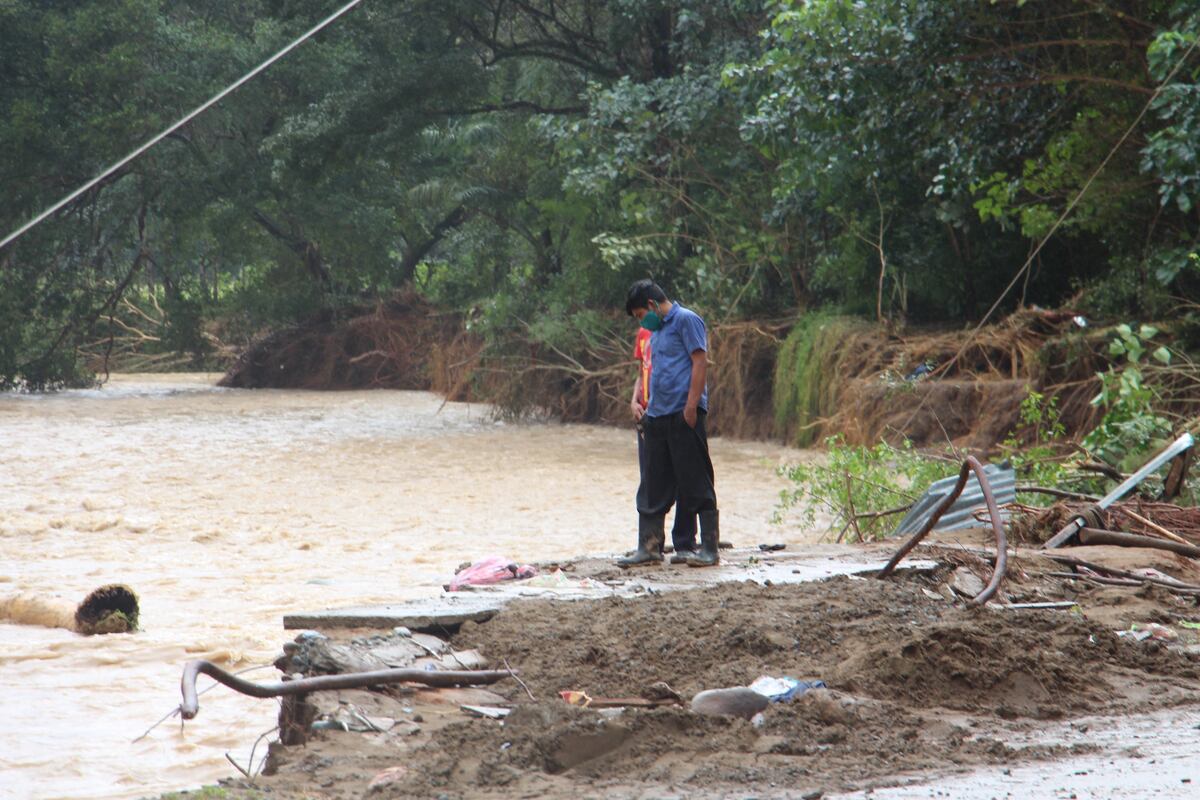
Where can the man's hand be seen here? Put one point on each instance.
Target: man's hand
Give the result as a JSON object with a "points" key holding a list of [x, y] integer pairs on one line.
{"points": [[689, 416], [636, 408]]}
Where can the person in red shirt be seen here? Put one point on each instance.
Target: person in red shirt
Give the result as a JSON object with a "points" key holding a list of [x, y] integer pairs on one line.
{"points": [[683, 532]]}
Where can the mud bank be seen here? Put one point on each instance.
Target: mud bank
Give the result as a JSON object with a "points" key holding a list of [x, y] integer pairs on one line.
{"points": [[796, 380], [919, 687]]}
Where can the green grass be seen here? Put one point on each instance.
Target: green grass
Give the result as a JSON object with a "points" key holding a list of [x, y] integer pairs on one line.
{"points": [[805, 390]]}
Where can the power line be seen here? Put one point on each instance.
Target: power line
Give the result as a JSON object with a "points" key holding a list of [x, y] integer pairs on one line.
{"points": [[12, 237]]}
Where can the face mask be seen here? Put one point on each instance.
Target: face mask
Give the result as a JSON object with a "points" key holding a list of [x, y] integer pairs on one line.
{"points": [[652, 321]]}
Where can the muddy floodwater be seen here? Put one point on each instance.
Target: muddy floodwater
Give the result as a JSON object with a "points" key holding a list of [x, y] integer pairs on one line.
{"points": [[225, 509]]}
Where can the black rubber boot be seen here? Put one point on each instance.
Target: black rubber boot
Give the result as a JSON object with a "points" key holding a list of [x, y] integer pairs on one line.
{"points": [[682, 556], [651, 537], [683, 535], [710, 541]]}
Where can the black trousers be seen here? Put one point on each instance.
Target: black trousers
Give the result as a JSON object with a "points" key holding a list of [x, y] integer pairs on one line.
{"points": [[676, 466], [683, 530]]}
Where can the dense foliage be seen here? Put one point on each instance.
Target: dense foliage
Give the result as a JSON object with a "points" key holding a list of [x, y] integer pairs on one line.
{"points": [[523, 160]]}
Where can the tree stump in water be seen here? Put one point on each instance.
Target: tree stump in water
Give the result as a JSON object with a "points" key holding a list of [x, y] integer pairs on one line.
{"points": [[109, 609]]}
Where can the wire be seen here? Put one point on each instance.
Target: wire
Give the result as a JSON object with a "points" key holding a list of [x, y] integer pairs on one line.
{"points": [[12, 237]]}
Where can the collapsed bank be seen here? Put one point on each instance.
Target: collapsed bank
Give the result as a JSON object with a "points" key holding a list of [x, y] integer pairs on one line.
{"points": [[919, 683]]}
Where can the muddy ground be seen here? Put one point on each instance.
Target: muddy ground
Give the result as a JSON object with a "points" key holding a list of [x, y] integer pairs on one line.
{"points": [[919, 684]]}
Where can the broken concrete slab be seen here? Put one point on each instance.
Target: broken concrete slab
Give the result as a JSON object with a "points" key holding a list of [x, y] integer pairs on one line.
{"points": [[448, 612], [436, 615]]}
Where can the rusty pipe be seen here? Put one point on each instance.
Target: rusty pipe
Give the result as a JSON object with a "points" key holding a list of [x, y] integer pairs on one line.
{"points": [[349, 680], [970, 465]]}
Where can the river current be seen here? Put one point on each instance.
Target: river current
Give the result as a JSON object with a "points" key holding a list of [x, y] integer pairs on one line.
{"points": [[225, 509]]}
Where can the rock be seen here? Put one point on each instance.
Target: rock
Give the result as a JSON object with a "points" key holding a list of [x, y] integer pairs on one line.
{"points": [[661, 690], [399, 653], [386, 778], [734, 702], [830, 707], [321, 656], [966, 583]]}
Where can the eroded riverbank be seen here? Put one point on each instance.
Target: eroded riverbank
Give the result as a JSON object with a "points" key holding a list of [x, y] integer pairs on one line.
{"points": [[925, 696]]}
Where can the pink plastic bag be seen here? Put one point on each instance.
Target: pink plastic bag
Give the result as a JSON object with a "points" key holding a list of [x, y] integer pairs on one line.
{"points": [[493, 569]]}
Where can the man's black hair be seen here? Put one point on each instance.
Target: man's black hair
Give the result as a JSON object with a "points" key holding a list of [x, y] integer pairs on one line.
{"points": [[641, 293]]}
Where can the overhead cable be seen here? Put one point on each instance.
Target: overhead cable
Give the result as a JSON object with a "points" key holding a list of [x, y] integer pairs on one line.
{"points": [[12, 237]]}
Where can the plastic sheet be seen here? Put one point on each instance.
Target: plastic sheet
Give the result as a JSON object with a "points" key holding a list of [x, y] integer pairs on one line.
{"points": [[490, 570]]}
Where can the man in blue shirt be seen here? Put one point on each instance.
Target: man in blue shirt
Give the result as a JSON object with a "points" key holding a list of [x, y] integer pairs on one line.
{"points": [[677, 464]]}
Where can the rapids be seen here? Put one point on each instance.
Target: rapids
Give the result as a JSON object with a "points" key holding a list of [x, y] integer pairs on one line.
{"points": [[224, 509]]}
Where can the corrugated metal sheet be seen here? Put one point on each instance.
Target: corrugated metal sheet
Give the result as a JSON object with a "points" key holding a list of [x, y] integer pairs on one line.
{"points": [[1001, 477]]}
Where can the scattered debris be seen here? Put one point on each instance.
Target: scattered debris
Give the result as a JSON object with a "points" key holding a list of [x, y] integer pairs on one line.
{"points": [[780, 690], [348, 718], [561, 581], [960, 513], [996, 520], [584, 700], [1150, 630], [386, 778], [739, 701], [894, 652], [576, 698], [490, 712], [488, 571], [1178, 448], [661, 690], [464, 659]]}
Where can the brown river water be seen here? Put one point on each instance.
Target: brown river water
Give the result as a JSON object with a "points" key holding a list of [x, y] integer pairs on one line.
{"points": [[225, 509]]}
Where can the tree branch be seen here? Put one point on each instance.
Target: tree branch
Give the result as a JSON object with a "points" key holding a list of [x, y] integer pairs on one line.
{"points": [[414, 254], [1126, 43], [1056, 78], [514, 105]]}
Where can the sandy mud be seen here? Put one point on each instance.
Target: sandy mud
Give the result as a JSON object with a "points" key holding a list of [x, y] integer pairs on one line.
{"points": [[919, 689]]}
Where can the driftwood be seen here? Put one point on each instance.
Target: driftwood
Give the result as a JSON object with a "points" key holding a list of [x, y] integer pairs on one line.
{"points": [[1090, 536], [1166, 581], [1106, 575]]}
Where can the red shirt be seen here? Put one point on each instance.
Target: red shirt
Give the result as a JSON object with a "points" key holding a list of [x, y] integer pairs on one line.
{"points": [[641, 351]]}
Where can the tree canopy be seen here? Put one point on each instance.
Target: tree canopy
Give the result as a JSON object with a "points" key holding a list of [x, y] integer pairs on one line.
{"points": [[522, 161]]}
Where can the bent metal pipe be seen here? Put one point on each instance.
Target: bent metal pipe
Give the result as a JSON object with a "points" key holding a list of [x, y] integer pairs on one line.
{"points": [[969, 466], [350, 680]]}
